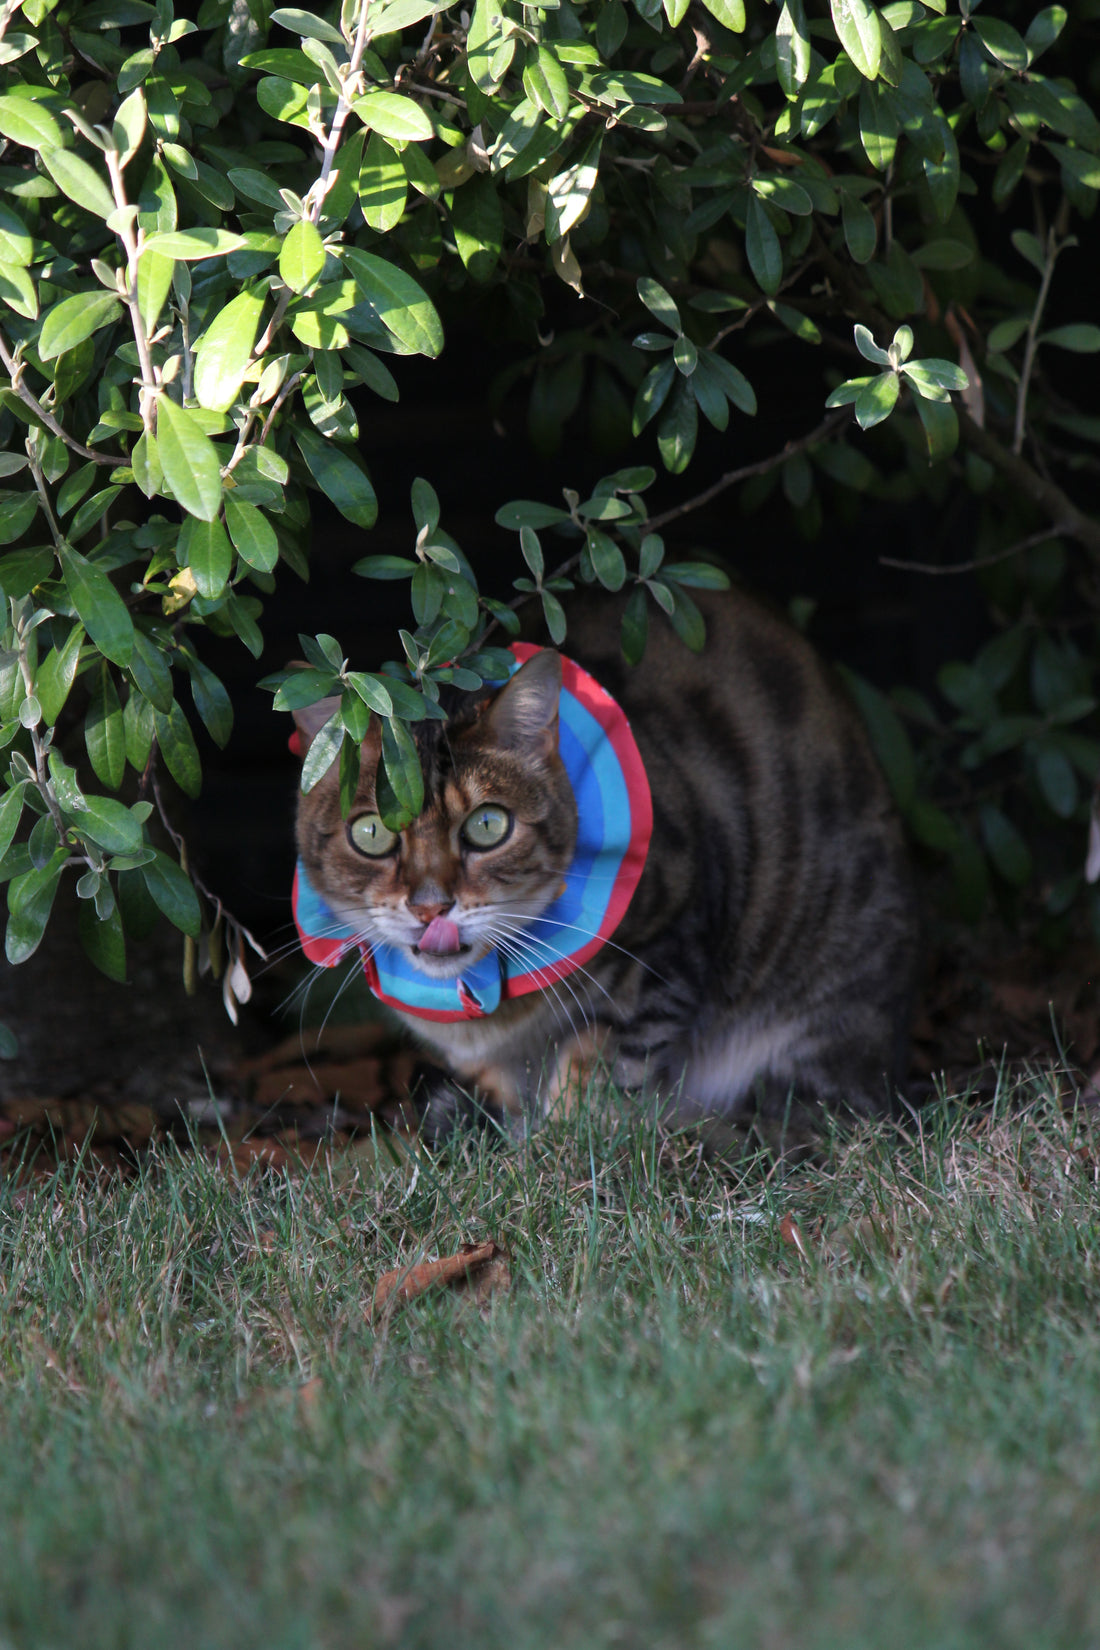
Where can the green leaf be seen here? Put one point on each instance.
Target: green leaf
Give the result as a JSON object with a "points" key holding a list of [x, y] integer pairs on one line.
{"points": [[867, 347], [102, 938], [678, 428], [150, 670], [224, 350], [339, 475], [635, 626], [762, 247], [302, 257], [860, 232], [11, 812], [478, 222], [545, 83], [607, 560], [385, 567], [659, 304], [569, 192], [30, 900], [1044, 29], [735, 386], [252, 534], [933, 377], [383, 185], [110, 824], [173, 894], [81, 182], [1057, 780], [204, 547], [145, 463], [17, 511], [104, 735], [792, 48], [1083, 337], [1028, 247], [878, 124], [401, 305], [889, 738], [28, 124], [783, 192], [876, 400], [17, 291], [189, 460], [857, 30], [1005, 846], [101, 609], [395, 117], [21, 570], [55, 674], [527, 512], [554, 614], [189, 245], [400, 775], [941, 427], [730, 13], [1002, 42], [177, 746]]}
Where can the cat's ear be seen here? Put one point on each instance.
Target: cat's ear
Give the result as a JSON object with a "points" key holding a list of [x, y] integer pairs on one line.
{"points": [[524, 714], [311, 719]]}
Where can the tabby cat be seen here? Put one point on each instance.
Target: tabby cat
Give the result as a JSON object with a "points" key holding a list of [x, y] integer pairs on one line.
{"points": [[724, 921]]}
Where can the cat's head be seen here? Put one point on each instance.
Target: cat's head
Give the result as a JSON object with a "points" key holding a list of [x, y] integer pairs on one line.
{"points": [[489, 850]]}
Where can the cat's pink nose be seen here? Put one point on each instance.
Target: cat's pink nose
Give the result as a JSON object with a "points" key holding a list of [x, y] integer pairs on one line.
{"points": [[428, 913]]}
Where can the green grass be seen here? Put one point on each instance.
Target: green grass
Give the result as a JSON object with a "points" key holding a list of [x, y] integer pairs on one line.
{"points": [[674, 1431]]}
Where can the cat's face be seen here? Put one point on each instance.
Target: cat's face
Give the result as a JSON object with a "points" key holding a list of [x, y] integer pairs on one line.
{"points": [[487, 854]]}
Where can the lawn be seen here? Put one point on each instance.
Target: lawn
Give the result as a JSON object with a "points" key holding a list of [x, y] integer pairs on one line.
{"points": [[851, 1403]]}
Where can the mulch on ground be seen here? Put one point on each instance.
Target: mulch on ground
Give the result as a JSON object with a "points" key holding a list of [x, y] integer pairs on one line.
{"points": [[103, 1072]]}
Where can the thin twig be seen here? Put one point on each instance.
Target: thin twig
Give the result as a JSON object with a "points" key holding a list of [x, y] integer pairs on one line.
{"points": [[148, 393], [840, 416], [343, 105], [980, 561], [1052, 251], [15, 373]]}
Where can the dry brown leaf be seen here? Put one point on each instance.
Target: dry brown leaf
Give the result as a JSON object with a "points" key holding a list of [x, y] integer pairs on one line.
{"points": [[790, 1233], [404, 1283]]}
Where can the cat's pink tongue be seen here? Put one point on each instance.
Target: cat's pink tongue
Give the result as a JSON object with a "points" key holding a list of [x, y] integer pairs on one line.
{"points": [[440, 938]]}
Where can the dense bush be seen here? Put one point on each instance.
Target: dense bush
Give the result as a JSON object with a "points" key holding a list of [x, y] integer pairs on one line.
{"points": [[219, 237]]}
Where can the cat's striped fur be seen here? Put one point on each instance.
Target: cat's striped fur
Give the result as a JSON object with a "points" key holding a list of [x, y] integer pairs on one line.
{"points": [[765, 964]]}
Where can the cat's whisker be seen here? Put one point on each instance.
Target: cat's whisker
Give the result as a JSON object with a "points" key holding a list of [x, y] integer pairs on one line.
{"points": [[590, 933], [550, 987], [521, 942]]}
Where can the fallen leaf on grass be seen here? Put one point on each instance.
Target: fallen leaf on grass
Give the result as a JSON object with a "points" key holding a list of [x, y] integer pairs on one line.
{"points": [[790, 1233], [480, 1267]]}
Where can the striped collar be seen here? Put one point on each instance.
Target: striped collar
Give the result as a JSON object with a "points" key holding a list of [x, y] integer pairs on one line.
{"points": [[615, 820]]}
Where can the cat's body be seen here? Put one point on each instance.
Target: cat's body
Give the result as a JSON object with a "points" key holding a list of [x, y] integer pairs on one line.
{"points": [[765, 962]]}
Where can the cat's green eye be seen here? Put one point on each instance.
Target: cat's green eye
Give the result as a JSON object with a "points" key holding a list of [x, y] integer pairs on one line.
{"points": [[487, 826], [370, 836]]}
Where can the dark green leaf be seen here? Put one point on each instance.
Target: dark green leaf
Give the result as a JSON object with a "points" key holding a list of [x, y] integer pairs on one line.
{"points": [[99, 605], [1057, 780], [30, 900], [635, 626], [102, 939], [177, 746], [1005, 846], [104, 735], [171, 890], [338, 473], [223, 351], [110, 824], [762, 247], [55, 674], [252, 534]]}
